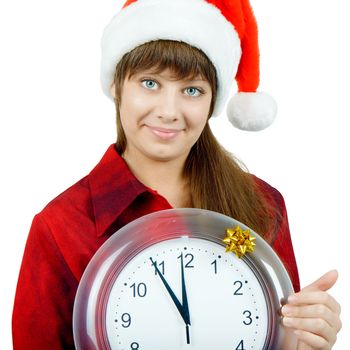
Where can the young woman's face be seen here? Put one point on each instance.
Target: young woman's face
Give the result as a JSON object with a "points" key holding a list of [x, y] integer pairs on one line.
{"points": [[163, 118]]}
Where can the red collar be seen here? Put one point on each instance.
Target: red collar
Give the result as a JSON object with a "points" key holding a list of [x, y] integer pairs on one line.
{"points": [[113, 188]]}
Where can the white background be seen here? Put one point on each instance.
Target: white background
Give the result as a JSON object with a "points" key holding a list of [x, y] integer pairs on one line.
{"points": [[56, 124]]}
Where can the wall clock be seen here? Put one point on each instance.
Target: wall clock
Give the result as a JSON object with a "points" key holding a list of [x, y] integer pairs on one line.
{"points": [[165, 281]]}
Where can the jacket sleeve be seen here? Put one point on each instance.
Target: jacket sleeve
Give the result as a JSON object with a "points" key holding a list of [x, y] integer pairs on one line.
{"points": [[42, 313], [283, 244]]}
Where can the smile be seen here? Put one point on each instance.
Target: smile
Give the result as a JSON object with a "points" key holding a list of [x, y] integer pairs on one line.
{"points": [[164, 134]]}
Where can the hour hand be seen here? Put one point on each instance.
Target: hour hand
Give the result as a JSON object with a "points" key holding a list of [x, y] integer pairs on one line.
{"points": [[184, 295], [185, 302]]}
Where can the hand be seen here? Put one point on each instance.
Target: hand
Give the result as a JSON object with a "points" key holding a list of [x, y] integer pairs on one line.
{"points": [[184, 301], [314, 314], [171, 293], [183, 309]]}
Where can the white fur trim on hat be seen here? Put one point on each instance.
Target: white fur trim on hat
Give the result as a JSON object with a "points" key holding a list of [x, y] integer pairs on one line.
{"points": [[251, 111], [195, 22]]}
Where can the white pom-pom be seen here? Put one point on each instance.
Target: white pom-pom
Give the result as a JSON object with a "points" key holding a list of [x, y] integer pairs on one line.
{"points": [[251, 111]]}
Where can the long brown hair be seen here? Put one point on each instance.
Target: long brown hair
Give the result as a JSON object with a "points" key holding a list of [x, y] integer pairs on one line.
{"points": [[218, 181]]}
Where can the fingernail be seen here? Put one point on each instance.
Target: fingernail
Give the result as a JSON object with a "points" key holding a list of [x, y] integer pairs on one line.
{"points": [[287, 321], [286, 310]]}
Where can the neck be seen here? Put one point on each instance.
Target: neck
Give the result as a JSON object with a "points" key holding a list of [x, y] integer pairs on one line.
{"points": [[166, 177]]}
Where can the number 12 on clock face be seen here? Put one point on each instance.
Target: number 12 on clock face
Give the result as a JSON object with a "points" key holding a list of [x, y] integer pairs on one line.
{"points": [[187, 293]]}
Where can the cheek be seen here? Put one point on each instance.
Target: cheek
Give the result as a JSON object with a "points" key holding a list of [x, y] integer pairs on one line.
{"points": [[198, 118], [132, 110], [132, 99], [199, 112], [133, 104]]}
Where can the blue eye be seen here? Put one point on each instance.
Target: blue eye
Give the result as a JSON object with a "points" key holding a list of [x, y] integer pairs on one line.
{"points": [[194, 89], [147, 81], [150, 84]]}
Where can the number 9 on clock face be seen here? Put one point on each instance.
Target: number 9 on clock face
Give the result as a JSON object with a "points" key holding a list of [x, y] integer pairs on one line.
{"points": [[164, 281], [225, 300]]}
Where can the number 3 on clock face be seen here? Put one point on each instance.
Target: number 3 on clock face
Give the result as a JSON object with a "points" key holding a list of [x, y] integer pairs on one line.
{"points": [[225, 302], [165, 282]]}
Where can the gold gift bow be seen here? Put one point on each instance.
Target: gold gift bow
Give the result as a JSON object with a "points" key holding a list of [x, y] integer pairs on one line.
{"points": [[239, 241]]}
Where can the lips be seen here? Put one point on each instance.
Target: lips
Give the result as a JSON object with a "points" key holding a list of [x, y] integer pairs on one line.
{"points": [[163, 133]]}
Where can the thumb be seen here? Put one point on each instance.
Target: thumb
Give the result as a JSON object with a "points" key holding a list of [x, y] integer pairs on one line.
{"points": [[324, 283]]}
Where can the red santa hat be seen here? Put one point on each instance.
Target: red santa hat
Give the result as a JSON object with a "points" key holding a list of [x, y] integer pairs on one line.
{"points": [[225, 30]]}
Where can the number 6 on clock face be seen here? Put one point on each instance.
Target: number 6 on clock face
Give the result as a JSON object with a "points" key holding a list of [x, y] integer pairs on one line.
{"points": [[180, 290]]}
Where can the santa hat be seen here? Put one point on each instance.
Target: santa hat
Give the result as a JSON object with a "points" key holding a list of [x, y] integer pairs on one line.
{"points": [[225, 30]]}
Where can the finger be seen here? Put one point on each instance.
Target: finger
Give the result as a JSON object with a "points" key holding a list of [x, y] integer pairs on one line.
{"points": [[324, 283], [313, 311], [303, 346], [315, 326], [313, 340], [319, 297]]}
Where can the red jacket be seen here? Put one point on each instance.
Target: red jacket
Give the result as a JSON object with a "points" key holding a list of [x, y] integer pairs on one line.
{"points": [[67, 232]]}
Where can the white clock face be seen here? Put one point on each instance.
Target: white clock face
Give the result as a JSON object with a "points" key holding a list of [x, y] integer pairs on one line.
{"points": [[226, 306]]}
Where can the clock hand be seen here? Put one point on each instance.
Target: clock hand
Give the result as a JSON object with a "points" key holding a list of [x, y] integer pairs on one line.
{"points": [[185, 302], [171, 293]]}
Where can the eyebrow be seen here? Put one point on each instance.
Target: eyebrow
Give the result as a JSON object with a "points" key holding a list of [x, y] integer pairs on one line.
{"points": [[160, 75], [196, 80]]}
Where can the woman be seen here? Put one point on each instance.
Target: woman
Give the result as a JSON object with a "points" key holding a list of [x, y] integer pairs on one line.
{"points": [[165, 157]]}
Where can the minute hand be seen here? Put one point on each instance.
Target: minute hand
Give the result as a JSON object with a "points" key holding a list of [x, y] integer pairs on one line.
{"points": [[171, 293]]}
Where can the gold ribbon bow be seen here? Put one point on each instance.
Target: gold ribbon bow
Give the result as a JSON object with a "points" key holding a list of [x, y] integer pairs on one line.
{"points": [[239, 241]]}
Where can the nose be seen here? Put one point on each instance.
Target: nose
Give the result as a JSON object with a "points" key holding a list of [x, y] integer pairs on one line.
{"points": [[168, 106]]}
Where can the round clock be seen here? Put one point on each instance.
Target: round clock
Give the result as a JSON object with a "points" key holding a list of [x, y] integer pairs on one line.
{"points": [[165, 281]]}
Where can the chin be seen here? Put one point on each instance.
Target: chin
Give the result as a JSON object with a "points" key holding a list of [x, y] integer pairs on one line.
{"points": [[163, 156]]}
